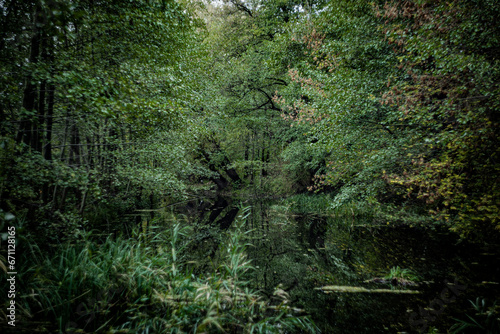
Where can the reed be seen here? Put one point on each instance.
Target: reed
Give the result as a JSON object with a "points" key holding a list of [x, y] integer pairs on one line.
{"points": [[144, 285]]}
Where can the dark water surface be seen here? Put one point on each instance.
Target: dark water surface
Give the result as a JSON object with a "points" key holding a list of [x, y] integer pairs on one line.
{"points": [[303, 253]]}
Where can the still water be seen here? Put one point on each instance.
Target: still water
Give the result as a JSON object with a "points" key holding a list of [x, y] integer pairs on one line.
{"points": [[307, 254]]}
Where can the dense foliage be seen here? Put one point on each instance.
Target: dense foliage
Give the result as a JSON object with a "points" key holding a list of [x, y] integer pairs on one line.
{"points": [[92, 101], [404, 97], [110, 110]]}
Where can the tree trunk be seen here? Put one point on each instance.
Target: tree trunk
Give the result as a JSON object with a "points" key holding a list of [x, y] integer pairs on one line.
{"points": [[25, 134], [49, 120]]}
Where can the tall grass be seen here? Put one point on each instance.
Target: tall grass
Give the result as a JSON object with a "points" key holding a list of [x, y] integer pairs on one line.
{"points": [[143, 285]]}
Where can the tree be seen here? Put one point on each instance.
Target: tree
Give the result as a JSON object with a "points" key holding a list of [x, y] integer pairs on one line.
{"points": [[100, 80], [406, 114], [447, 93]]}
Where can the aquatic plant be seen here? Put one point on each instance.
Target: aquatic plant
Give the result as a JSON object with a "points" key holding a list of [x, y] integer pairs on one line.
{"points": [[401, 274], [144, 285], [486, 319]]}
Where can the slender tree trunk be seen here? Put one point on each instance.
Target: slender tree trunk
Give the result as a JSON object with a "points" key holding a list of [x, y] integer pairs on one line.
{"points": [[30, 91], [264, 159], [63, 144], [247, 169], [49, 120], [75, 153], [39, 120], [82, 204], [90, 153], [152, 204], [47, 148]]}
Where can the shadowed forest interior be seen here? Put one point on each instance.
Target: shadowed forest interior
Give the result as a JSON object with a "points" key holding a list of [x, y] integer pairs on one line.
{"points": [[250, 166]]}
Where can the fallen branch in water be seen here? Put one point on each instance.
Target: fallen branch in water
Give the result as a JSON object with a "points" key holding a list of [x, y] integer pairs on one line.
{"points": [[358, 289]]}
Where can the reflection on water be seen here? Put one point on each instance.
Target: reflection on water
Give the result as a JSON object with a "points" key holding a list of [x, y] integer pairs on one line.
{"points": [[302, 253]]}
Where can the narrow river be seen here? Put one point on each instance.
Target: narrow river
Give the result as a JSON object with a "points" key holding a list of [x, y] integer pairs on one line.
{"points": [[337, 270]]}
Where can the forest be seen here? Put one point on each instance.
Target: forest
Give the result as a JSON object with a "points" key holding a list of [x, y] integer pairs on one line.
{"points": [[250, 166]]}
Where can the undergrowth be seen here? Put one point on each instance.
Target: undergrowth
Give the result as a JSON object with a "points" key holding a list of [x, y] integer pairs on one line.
{"points": [[143, 284]]}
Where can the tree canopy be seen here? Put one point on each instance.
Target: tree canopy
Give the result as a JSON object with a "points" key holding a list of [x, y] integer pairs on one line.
{"points": [[109, 108]]}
